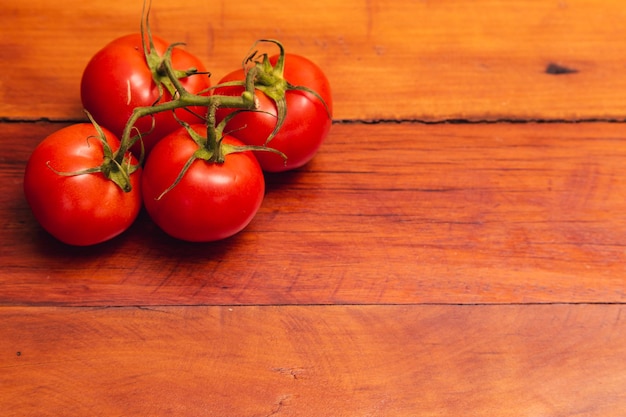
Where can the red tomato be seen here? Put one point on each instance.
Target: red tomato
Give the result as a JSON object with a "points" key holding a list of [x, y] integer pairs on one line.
{"points": [[212, 201], [117, 79], [307, 123], [83, 209]]}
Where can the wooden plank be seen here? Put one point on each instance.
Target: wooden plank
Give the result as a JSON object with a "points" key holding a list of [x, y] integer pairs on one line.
{"points": [[406, 213], [311, 361], [480, 60]]}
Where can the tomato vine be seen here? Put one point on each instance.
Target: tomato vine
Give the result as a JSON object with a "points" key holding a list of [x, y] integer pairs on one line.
{"points": [[213, 148]]}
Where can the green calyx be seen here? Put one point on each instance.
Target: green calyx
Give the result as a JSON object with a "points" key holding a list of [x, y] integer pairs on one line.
{"points": [[271, 81], [115, 167], [211, 147]]}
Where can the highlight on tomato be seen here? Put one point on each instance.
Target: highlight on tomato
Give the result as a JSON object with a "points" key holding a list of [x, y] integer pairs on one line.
{"points": [[79, 189]]}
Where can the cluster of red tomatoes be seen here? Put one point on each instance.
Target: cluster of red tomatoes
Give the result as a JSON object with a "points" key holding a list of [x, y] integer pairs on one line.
{"points": [[162, 137]]}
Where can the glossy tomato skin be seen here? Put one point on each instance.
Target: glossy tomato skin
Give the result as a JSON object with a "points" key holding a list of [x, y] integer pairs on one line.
{"points": [[79, 210], [212, 201], [117, 79], [307, 123]]}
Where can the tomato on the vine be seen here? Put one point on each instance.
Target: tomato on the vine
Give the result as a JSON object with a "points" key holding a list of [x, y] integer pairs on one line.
{"points": [[306, 124], [119, 78], [80, 208], [211, 200]]}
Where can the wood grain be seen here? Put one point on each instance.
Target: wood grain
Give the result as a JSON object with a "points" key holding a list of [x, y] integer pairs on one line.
{"points": [[455, 249], [424, 60], [407, 213], [323, 361]]}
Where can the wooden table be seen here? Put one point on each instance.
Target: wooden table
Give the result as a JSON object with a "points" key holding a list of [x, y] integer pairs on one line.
{"points": [[457, 247]]}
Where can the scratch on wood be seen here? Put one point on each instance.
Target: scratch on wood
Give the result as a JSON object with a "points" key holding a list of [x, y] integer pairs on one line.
{"points": [[292, 372], [153, 308], [279, 405]]}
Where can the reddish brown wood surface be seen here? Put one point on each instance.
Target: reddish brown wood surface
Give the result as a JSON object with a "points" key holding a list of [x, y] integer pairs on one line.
{"points": [[339, 361], [427, 60], [385, 214], [416, 267]]}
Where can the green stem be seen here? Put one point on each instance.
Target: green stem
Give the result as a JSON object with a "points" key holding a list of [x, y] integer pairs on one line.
{"points": [[170, 72], [181, 98], [185, 99], [213, 143]]}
